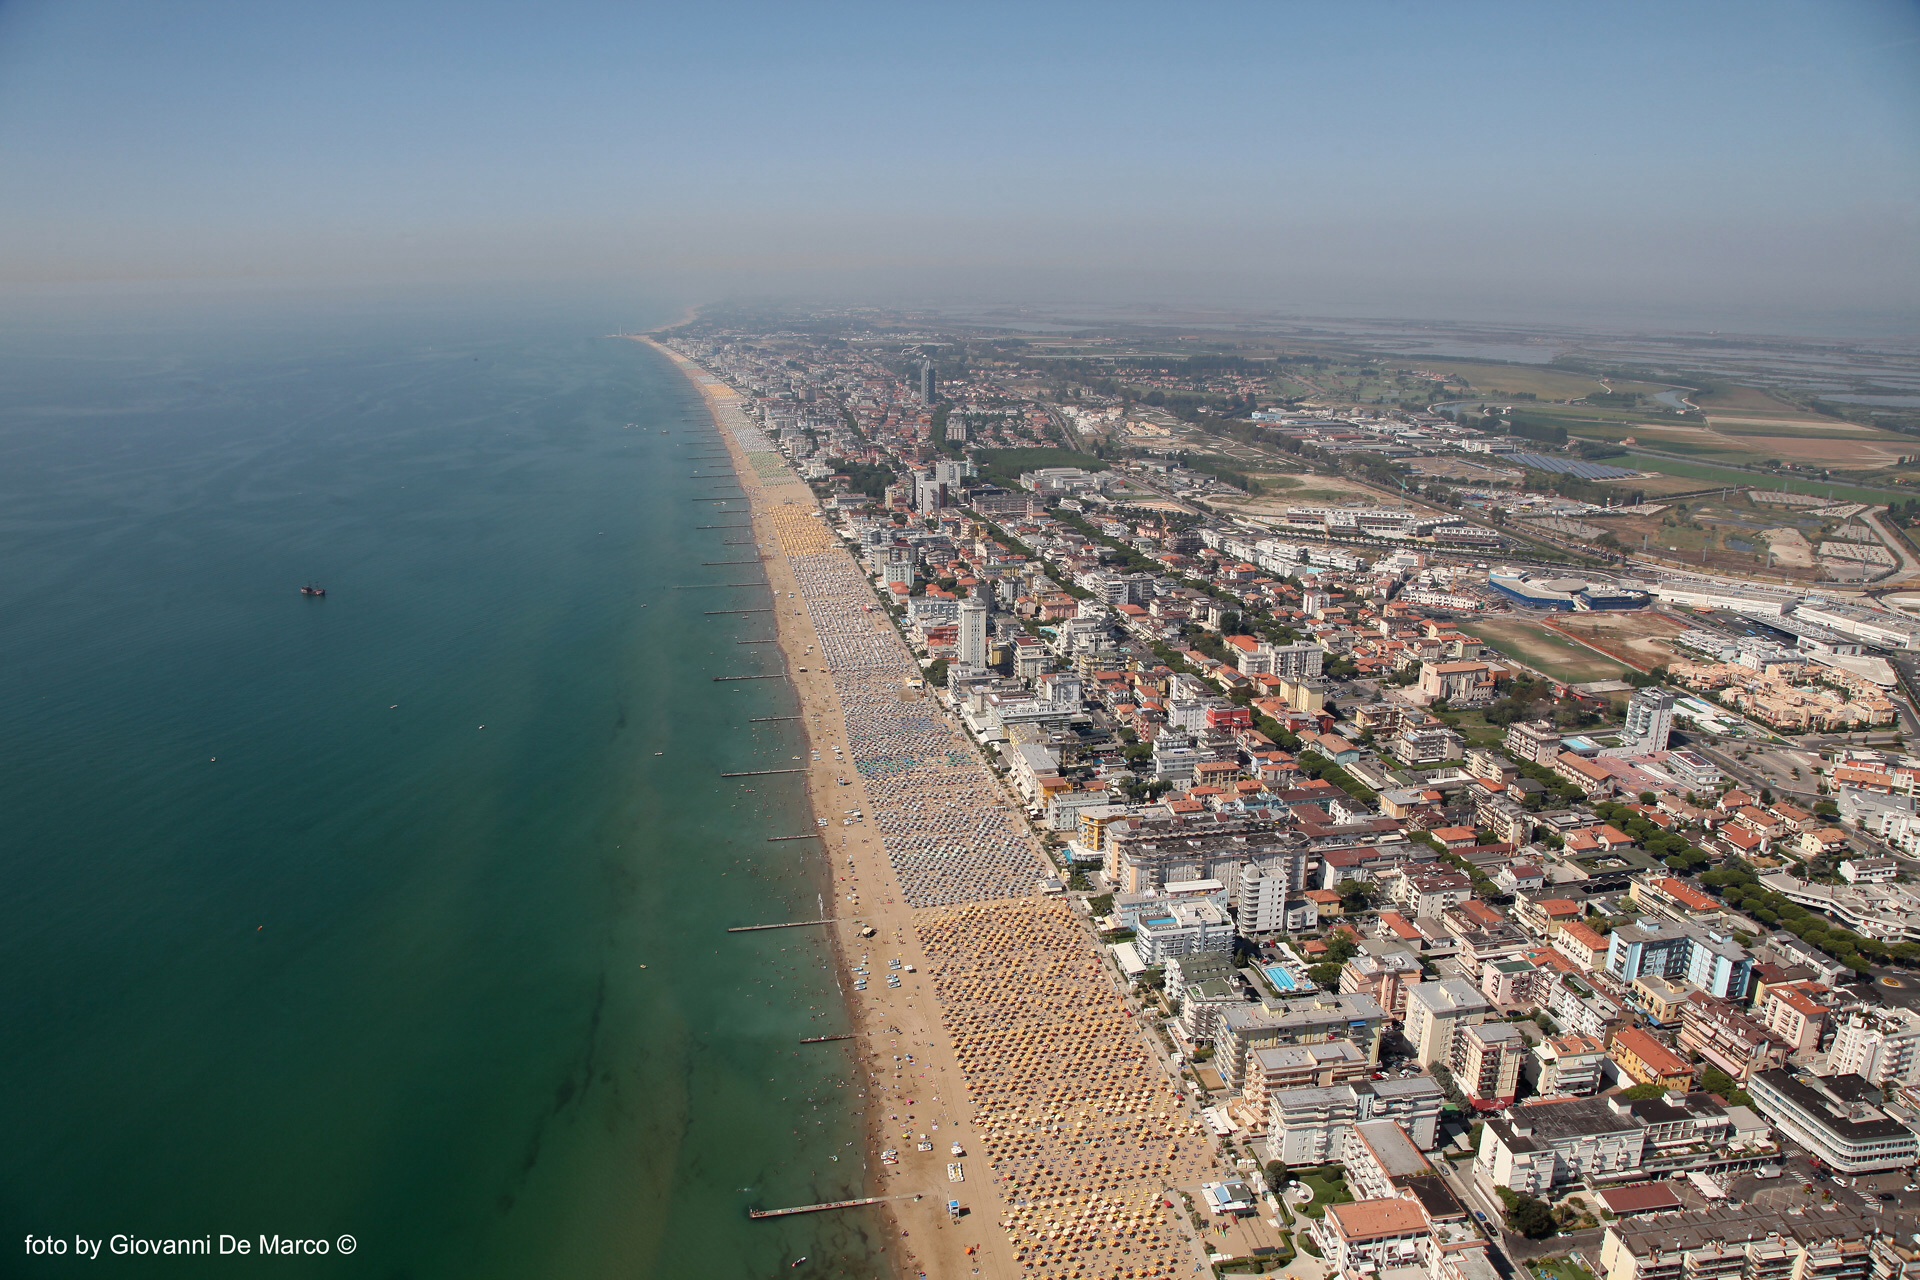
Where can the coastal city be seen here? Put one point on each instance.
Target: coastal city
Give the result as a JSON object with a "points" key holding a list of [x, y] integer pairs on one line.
{"points": [[1310, 825], [960, 642]]}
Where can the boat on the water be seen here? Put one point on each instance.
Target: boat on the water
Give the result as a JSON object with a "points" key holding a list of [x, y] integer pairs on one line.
{"points": [[313, 589]]}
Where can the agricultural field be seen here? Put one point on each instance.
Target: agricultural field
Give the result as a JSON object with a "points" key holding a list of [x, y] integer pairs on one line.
{"points": [[1750, 404], [1340, 383], [1841, 446], [1507, 381], [1704, 473], [1546, 651]]}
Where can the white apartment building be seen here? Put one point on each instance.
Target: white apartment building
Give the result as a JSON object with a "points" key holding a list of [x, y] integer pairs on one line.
{"points": [[1531, 1149], [1426, 890], [1882, 1046], [1570, 1066], [1185, 928], [1436, 1011], [1836, 1118], [1310, 1126], [1368, 1237]]}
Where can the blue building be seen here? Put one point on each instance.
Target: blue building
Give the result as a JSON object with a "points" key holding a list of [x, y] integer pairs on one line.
{"points": [[1529, 594], [1712, 962], [1599, 597]]}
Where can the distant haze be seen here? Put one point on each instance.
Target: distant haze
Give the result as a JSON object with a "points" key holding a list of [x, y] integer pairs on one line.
{"points": [[1746, 165]]}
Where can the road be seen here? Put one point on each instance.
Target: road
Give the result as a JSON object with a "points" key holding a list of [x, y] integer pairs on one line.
{"points": [[1909, 568]]}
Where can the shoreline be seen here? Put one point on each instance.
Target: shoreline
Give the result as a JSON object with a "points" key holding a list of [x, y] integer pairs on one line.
{"points": [[1011, 1032], [899, 1098]]}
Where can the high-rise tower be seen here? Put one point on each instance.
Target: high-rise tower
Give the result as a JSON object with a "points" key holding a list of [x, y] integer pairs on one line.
{"points": [[973, 632], [1649, 720]]}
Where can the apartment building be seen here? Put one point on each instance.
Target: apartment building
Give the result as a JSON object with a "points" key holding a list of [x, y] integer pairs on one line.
{"points": [[1569, 1066], [1269, 898], [1285, 1068], [1486, 1064], [1180, 929], [1793, 1016], [1647, 1061], [1836, 1118], [1581, 1008], [1427, 890], [1310, 1126], [1673, 898], [1380, 1157], [1435, 1013], [1544, 917], [1542, 1145], [1881, 1046], [1148, 853], [1534, 1148], [1579, 943], [1751, 1243], [1727, 1038], [1383, 973], [1661, 999], [1711, 961], [1303, 1020], [1369, 1237], [1537, 742]]}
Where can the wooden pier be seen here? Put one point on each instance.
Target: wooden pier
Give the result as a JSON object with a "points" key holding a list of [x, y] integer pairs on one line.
{"points": [[768, 719], [784, 924], [717, 564], [715, 613], [772, 676], [821, 1208], [810, 835], [826, 1039], [760, 773]]}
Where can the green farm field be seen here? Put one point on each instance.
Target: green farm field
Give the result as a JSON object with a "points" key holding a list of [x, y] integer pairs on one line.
{"points": [[1707, 474], [1492, 380]]}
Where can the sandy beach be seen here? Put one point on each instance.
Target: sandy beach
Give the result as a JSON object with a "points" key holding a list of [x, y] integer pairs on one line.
{"points": [[1006, 1035]]}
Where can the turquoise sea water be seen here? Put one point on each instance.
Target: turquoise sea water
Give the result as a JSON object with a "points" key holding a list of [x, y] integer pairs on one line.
{"points": [[292, 944]]}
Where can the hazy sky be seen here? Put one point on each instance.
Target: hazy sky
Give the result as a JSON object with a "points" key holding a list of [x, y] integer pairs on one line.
{"points": [[1419, 158]]}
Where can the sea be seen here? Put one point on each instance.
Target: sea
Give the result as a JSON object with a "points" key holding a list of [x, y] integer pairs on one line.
{"points": [[398, 914]]}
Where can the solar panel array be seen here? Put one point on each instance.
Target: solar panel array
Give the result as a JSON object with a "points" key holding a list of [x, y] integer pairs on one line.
{"points": [[1571, 467]]}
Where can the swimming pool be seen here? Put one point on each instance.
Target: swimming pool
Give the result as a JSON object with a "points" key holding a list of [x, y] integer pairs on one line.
{"points": [[1282, 981]]}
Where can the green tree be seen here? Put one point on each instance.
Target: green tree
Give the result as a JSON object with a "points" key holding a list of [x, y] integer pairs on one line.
{"points": [[1531, 1216], [1356, 895], [1341, 947], [1643, 1093], [1714, 1080], [1276, 1175]]}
